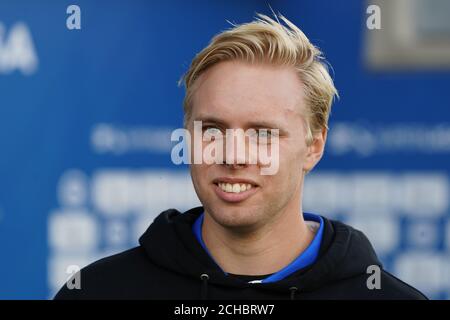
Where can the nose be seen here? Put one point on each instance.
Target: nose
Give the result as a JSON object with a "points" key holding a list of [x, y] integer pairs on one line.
{"points": [[236, 149]]}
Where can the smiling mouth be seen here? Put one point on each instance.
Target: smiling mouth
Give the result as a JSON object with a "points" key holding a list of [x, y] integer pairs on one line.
{"points": [[234, 191], [234, 187]]}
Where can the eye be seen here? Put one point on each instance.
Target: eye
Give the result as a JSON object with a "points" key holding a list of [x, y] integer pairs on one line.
{"points": [[264, 133], [211, 130], [268, 133]]}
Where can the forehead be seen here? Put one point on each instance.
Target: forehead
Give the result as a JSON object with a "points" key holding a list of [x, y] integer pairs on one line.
{"points": [[236, 91]]}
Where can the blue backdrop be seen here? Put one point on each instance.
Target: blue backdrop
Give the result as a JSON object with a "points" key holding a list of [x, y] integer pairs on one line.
{"points": [[86, 117]]}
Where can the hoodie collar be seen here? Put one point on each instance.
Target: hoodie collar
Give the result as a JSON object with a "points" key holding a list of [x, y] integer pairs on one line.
{"points": [[305, 259], [170, 244]]}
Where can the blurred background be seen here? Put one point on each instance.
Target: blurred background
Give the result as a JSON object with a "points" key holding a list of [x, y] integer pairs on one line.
{"points": [[86, 116]]}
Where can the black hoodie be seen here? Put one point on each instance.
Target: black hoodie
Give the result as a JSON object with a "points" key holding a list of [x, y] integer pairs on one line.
{"points": [[171, 264]]}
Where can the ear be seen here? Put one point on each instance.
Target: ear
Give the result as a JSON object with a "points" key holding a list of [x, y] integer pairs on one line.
{"points": [[315, 150]]}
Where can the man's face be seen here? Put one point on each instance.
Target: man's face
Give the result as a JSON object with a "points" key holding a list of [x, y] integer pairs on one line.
{"points": [[232, 95]]}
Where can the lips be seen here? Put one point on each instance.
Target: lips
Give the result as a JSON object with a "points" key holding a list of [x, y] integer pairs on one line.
{"points": [[234, 180], [234, 189]]}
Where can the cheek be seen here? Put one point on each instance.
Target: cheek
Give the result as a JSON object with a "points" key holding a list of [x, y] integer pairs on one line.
{"points": [[200, 176], [199, 182], [289, 172], [292, 156], [196, 174]]}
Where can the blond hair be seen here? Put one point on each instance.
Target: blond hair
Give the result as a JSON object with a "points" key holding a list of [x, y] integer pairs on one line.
{"points": [[268, 41]]}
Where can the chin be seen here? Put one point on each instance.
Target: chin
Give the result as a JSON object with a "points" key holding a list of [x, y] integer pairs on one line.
{"points": [[232, 216]]}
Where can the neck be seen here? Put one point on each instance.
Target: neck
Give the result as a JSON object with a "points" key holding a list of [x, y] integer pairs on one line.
{"points": [[258, 252]]}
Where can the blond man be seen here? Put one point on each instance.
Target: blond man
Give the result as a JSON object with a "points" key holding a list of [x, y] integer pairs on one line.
{"points": [[250, 239]]}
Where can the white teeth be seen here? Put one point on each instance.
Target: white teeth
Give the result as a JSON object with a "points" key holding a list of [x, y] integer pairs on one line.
{"points": [[234, 188]]}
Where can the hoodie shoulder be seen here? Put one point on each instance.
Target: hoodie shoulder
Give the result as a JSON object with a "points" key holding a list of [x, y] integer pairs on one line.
{"points": [[394, 288], [343, 270], [156, 268], [102, 277]]}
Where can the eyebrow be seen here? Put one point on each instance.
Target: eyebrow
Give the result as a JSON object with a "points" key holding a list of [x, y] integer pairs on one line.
{"points": [[252, 124]]}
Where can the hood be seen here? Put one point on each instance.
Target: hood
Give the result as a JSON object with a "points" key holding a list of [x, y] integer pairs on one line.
{"points": [[170, 244]]}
